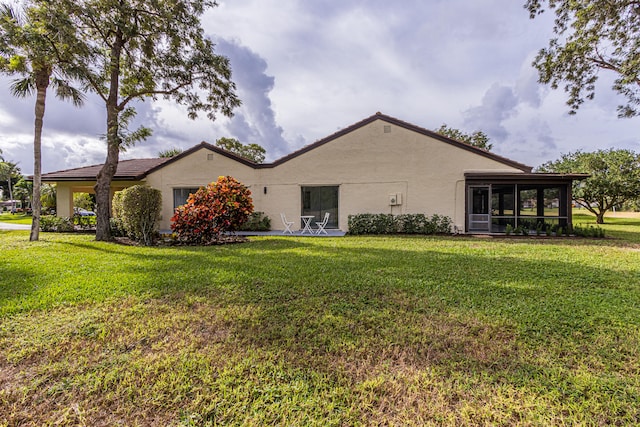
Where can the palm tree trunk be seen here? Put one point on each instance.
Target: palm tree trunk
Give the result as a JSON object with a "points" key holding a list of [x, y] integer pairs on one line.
{"points": [[42, 83]]}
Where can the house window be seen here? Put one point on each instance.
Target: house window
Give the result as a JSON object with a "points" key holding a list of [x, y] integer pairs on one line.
{"points": [[180, 195]]}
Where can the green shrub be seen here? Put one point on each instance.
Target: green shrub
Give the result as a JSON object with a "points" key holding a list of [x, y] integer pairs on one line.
{"points": [[83, 222], [442, 223], [509, 230], [257, 221], [539, 226], [372, 224], [220, 207], [591, 231], [115, 222], [117, 227], [411, 224], [116, 205], [405, 224], [55, 223], [141, 206]]}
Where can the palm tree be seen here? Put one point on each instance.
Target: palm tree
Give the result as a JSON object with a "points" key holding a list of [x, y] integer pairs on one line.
{"points": [[30, 49], [48, 196], [23, 191], [9, 173]]}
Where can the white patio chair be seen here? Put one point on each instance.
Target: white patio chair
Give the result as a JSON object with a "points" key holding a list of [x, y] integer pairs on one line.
{"points": [[287, 224], [323, 224]]}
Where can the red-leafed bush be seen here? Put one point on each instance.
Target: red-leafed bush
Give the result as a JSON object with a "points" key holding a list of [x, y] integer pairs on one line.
{"points": [[222, 206]]}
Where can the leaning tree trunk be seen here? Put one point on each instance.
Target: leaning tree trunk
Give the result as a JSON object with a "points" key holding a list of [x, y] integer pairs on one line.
{"points": [[42, 83], [600, 217]]}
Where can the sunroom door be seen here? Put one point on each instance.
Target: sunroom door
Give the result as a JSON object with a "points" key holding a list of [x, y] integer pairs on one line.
{"points": [[318, 200], [479, 209]]}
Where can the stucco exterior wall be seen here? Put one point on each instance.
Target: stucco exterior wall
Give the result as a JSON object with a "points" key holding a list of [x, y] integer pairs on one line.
{"points": [[380, 159], [368, 164], [193, 171]]}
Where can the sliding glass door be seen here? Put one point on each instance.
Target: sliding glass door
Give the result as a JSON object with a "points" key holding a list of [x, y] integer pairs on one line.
{"points": [[318, 200]]}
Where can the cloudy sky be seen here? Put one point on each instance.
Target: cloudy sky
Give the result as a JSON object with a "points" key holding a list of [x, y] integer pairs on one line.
{"points": [[305, 69]]}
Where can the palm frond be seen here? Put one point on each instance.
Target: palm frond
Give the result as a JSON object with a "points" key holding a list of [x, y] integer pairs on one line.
{"points": [[22, 88], [67, 92], [8, 13]]}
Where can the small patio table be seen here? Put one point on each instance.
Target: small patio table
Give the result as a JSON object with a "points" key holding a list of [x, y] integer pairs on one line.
{"points": [[306, 221]]}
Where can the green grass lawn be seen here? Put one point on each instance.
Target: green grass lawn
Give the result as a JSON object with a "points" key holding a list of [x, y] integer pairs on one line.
{"points": [[619, 228], [322, 331], [16, 218]]}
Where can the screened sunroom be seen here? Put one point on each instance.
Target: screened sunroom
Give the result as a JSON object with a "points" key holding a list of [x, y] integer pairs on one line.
{"points": [[527, 200]]}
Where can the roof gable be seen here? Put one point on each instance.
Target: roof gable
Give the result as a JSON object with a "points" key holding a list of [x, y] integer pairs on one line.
{"points": [[206, 145], [137, 169], [405, 125]]}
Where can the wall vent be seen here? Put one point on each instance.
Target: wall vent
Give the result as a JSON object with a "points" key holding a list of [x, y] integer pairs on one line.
{"points": [[387, 128], [210, 156]]}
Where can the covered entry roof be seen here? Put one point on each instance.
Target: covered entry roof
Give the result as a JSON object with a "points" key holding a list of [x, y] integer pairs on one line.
{"points": [[128, 170]]}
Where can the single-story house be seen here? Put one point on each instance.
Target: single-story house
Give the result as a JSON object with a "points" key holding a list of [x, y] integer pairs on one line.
{"points": [[378, 165]]}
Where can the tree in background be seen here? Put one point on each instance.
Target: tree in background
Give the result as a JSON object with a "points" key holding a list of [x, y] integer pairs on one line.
{"points": [[170, 152], [32, 49], [23, 191], [253, 152], [48, 196], [83, 201], [615, 178], [145, 49], [593, 35], [9, 176], [477, 139]]}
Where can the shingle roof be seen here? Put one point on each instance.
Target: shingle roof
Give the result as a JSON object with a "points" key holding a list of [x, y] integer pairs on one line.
{"points": [[128, 170]]}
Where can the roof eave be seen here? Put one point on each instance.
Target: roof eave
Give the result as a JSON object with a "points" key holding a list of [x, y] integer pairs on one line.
{"points": [[506, 176]]}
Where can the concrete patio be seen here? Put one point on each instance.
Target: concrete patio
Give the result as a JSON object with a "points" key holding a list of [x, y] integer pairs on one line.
{"points": [[330, 233]]}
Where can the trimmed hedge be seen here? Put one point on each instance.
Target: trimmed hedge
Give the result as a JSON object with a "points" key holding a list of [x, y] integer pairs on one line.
{"points": [[399, 224], [55, 223], [139, 210]]}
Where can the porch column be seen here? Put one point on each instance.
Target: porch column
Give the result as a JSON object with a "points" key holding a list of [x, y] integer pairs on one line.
{"points": [[64, 201], [564, 204], [540, 201]]}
